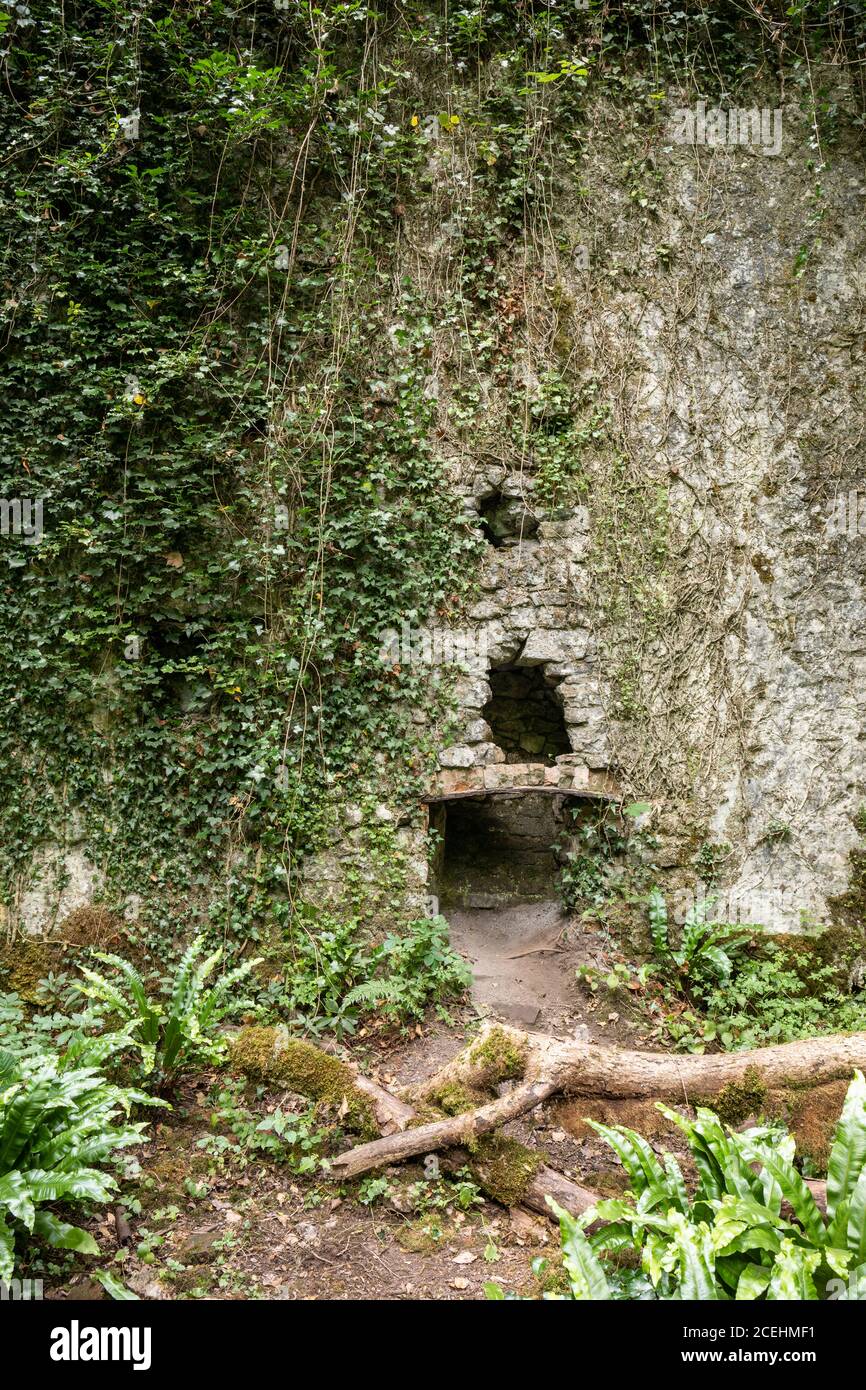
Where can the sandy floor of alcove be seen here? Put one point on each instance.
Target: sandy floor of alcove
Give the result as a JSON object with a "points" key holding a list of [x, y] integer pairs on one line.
{"points": [[524, 958]]}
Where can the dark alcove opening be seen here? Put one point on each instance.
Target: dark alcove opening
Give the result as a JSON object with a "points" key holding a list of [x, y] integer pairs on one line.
{"points": [[525, 716], [506, 521], [499, 850]]}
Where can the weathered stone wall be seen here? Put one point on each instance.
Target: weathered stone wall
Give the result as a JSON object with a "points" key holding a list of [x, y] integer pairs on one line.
{"points": [[699, 623], [691, 612]]}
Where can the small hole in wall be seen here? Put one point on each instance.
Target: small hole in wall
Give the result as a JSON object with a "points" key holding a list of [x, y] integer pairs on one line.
{"points": [[525, 716], [506, 521]]}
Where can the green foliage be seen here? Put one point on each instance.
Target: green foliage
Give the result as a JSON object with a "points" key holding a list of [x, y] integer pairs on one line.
{"points": [[710, 861], [412, 970], [769, 1000], [217, 373], [751, 1229], [284, 1136], [587, 853], [216, 566], [585, 1274], [59, 1128], [335, 975], [706, 948], [329, 958], [180, 1033]]}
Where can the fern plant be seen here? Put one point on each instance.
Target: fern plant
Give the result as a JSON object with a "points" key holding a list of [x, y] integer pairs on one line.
{"points": [[174, 1036], [731, 1239], [60, 1122], [417, 968], [705, 948]]}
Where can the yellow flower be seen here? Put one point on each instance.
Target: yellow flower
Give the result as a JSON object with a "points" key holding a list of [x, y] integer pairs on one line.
{"points": [[414, 120], [139, 400], [455, 120]]}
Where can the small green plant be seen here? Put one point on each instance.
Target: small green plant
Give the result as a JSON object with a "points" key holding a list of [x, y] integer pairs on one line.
{"points": [[711, 859], [585, 874], [335, 975], [371, 1189], [174, 1036], [59, 1127], [706, 948], [329, 957], [413, 970], [620, 975], [287, 1137], [751, 1230], [768, 1000], [778, 831]]}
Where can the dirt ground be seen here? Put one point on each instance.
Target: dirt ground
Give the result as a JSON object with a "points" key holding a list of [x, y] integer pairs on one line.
{"points": [[236, 1227], [524, 960]]}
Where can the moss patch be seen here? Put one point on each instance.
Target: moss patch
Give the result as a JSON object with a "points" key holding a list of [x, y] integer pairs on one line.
{"points": [[270, 1055], [504, 1168], [24, 963], [423, 1236], [849, 908], [497, 1057], [812, 1118], [454, 1099], [739, 1100]]}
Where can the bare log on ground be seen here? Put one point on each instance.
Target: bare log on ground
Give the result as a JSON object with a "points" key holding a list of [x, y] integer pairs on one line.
{"points": [[590, 1070], [547, 1182]]}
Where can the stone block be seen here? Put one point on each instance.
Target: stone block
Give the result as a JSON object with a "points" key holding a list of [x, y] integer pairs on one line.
{"points": [[458, 755], [476, 731], [543, 645]]}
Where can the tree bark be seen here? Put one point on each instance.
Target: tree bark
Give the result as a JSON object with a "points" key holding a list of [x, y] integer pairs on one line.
{"points": [[577, 1069], [603, 1071], [442, 1134], [392, 1114], [547, 1182]]}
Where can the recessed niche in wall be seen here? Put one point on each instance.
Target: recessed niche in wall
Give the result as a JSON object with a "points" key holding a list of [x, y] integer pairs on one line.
{"points": [[525, 716], [498, 850], [506, 520]]}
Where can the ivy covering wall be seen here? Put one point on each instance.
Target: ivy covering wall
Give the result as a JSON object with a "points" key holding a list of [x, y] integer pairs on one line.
{"points": [[218, 343]]}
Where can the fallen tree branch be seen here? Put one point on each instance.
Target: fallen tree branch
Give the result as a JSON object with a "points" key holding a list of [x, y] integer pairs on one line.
{"points": [[588, 1070], [442, 1134], [548, 1067], [271, 1055]]}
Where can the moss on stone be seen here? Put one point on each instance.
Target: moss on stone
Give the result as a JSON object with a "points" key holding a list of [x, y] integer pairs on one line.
{"points": [[269, 1054], [504, 1168]]}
